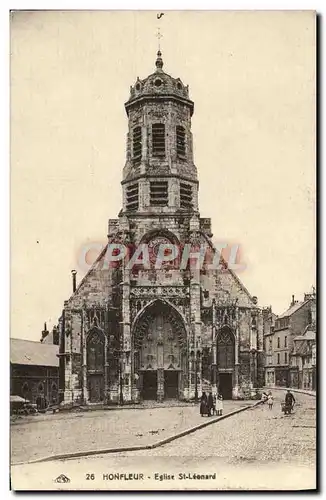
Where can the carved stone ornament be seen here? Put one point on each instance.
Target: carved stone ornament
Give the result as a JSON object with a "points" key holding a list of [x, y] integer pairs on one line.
{"points": [[151, 292]]}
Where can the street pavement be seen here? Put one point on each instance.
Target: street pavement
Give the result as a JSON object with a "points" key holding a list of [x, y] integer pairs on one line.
{"points": [[255, 449], [42, 436]]}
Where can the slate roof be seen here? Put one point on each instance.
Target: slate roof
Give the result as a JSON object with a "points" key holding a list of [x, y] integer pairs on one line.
{"points": [[291, 310], [309, 335], [28, 352]]}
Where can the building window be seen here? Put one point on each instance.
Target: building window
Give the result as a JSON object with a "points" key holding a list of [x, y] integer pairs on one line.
{"points": [[285, 358], [159, 193], [285, 341], [181, 140], [136, 143], [158, 139], [225, 348], [132, 203], [278, 358], [270, 344], [95, 351], [278, 342], [185, 195]]}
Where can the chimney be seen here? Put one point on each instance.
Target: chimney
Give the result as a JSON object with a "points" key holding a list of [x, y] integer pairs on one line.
{"points": [[45, 332], [293, 301], [55, 335], [73, 272]]}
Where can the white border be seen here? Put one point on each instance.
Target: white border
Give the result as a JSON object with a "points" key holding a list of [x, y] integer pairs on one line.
{"points": [[5, 6]]}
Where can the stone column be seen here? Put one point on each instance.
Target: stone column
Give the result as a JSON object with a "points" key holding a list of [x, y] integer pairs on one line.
{"points": [[68, 391], [126, 377], [160, 384], [235, 392], [85, 395], [106, 370], [253, 350], [160, 365]]}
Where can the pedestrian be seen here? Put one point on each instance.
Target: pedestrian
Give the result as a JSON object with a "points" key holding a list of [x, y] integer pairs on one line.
{"points": [[210, 403], [203, 404], [219, 405], [38, 402], [214, 404], [289, 401], [270, 401]]}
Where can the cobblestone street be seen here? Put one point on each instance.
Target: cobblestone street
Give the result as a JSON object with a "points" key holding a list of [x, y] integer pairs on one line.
{"points": [[255, 449], [256, 435]]}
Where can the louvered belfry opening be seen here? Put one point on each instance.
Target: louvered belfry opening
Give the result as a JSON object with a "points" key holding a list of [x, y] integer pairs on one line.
{"points": [[132, 197], [158, 139], [136, 144], [159, 193], [185, 196], [181, 141]]}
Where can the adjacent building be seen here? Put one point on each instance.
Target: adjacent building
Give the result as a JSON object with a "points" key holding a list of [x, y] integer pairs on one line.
{"points": [[290, 346], [34, 370], [269, 325]]}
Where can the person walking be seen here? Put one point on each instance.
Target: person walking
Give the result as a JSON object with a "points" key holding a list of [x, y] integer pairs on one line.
{"points": [[214, 404], [270, 401], [289, 401], [203, 404], [219, 405], [210, 403]]}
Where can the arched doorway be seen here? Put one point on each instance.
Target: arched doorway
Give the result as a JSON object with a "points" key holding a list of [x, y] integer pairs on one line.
{"points": [[225, 361], [95, 365], [160, 358]]}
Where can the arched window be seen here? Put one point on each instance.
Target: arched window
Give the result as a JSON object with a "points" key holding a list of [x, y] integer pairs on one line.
{"points": [[225, 349], [181, 140], [158, 139], [136, 143], [95, 352]]}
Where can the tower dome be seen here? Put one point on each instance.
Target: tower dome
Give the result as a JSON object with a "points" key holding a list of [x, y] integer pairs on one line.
{"points": [[159, 86]]}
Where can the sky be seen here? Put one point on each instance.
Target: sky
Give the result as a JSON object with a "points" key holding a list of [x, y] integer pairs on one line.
{"points": [[252, 78]]}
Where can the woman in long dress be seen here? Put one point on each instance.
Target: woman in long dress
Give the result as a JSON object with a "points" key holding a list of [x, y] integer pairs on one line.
{"points": [[203, 404]]}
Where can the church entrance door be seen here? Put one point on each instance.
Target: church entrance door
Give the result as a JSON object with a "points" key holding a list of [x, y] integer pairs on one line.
{"points": [[96, 388], [160, 351], [225, 385], [149, 385], [171, 384]]}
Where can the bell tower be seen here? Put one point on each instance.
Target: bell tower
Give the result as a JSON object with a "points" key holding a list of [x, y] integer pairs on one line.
{"points": [[168, 331], [159, 175]]}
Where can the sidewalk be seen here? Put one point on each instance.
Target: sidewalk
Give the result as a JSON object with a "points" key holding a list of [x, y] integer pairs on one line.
{"points": [[98, 430], [300, 391]]}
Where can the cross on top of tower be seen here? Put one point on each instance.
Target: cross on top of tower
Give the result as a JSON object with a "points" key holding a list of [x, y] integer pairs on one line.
{"points": [[159, 60], [159, 36]]}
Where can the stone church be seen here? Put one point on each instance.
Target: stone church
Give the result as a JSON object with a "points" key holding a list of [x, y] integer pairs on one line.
{"points": [[131, 334]]}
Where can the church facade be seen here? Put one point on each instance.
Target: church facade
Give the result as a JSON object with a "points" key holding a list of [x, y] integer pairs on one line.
{"points": [[146, 331]]}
